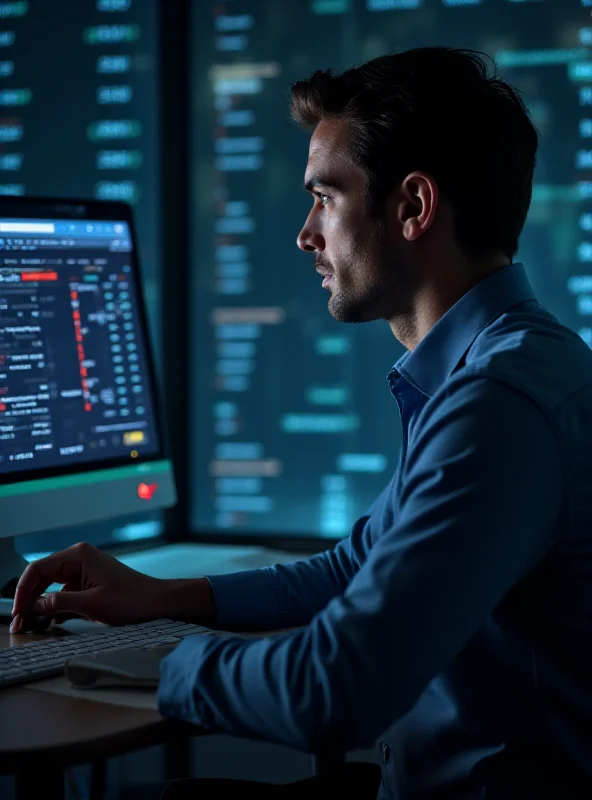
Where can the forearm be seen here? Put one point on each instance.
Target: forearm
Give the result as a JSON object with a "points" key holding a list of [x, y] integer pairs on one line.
{"points": [[187, 600], [283, 596], [193, 600]]}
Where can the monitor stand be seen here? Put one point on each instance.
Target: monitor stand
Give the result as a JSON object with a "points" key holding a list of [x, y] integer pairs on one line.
{"points": [[12, 566]]}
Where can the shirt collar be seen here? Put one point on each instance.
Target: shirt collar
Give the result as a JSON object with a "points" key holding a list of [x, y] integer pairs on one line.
{"points": [[440, 351]]}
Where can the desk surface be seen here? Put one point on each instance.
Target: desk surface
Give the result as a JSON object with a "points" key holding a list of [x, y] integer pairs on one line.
{"points": [[43, 728]]}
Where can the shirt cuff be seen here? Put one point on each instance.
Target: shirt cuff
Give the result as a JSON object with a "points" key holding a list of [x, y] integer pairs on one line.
{"points": [[176, 695], [247, 600]]}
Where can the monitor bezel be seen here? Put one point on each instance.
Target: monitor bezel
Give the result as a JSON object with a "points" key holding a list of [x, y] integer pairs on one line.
{"points": [[29, 207]]}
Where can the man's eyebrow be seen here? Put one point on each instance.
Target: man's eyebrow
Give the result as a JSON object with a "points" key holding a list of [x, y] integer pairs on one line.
{"points": [[319, 181]]}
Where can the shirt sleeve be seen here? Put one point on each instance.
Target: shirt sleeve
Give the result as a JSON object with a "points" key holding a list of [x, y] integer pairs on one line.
{"points": [[480, 505], [287, 595]]}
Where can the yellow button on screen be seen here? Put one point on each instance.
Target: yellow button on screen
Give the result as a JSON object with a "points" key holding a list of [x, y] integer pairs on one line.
{"points": [[133, 437]]}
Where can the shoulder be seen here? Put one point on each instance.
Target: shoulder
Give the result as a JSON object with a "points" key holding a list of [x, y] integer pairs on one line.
{"points": [[482, 440], [483, 416], [530, 351]]}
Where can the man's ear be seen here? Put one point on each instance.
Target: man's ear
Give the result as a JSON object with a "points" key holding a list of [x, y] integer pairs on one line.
{"points": [[417, 203]]}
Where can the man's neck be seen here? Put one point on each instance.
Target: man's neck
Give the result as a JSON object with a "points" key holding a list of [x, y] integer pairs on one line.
{"points": [[432, 300]]}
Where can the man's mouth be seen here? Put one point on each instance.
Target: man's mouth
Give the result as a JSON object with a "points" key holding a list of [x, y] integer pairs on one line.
{"points": [[327, 276]]}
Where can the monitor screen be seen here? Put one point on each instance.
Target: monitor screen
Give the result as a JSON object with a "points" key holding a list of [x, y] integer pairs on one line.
{"points": [[295, 431], [80, 427], [75, 388]]}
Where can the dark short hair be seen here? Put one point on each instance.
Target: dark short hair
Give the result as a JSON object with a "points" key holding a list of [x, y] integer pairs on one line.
{"points": [[435, 109]]}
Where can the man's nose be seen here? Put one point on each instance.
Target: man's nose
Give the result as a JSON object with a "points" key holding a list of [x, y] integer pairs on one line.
{"points": [[310, 240]]}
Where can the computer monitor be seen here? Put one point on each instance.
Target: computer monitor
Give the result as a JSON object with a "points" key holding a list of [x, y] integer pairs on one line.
{"points": [[81, 430]]}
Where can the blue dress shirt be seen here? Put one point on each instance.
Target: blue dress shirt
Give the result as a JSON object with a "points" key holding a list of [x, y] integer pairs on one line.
{"points": [[454, 624]]}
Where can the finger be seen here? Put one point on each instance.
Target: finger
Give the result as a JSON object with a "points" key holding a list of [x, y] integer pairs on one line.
{"points": [[71, 586], [16, 624], [60, 567], [24, 624], [64, 603]]}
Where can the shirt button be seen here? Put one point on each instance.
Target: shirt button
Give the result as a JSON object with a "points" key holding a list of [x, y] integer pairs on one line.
{"points": [[386, 752]]}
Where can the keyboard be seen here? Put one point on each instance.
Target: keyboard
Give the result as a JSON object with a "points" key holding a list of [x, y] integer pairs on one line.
{"points": [[46, 658]]}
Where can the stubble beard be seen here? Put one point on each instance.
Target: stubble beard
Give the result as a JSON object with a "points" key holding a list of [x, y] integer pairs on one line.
{"points": [[347, 304]]}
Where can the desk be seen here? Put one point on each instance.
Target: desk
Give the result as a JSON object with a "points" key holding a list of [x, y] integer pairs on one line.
{"points": [[42, 734]]}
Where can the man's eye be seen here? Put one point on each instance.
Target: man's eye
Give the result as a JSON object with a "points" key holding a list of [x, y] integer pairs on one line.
{"points": [[324, 198]]}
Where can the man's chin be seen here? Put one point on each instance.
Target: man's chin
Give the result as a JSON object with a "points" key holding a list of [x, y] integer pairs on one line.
{"points": [[345, 312]]}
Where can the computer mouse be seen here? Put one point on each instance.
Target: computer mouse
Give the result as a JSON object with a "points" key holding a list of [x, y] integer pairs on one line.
{"points": [[135, 666]]}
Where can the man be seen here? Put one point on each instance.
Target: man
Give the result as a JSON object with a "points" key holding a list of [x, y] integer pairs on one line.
{"points": [[454, 625]]}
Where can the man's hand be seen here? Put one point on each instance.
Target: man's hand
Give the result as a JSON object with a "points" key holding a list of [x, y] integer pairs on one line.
{"points": [[96, 586]]}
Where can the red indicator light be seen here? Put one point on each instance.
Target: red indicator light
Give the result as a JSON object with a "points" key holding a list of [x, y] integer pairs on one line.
{"points": [[146, 490]]}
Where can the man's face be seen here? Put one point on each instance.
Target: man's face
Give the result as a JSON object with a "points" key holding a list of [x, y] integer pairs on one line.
{"points": [[361, 257]]}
